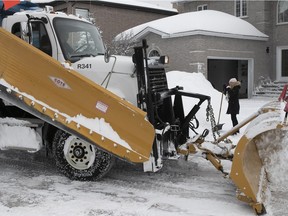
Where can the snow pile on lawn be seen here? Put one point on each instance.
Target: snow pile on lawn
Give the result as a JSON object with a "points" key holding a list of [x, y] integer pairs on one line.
{"points": [[197, 83]]}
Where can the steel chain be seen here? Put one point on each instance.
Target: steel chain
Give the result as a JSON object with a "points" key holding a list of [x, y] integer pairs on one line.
{"points": [[210, 113]]}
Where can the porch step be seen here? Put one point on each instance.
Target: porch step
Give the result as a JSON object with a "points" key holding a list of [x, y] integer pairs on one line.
{"points": [[269, 89]]}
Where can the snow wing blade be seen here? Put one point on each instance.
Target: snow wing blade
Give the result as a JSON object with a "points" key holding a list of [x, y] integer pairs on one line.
{"points": [[42, 86], [248, 168]]}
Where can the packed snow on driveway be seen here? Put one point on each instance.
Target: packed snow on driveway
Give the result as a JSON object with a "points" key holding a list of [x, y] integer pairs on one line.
{"points": [[30, 184]]}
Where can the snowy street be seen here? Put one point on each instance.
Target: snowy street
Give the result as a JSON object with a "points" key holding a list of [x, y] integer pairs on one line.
{"points": [[30, 185]]}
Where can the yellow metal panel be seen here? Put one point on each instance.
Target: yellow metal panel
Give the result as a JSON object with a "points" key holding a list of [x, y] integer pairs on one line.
{"points": [[37, 74], [246, 168], [248, 171]]}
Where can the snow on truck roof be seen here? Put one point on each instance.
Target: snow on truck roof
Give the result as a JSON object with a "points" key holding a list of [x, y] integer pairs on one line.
{"points": [[207, 22], [42, 12]]}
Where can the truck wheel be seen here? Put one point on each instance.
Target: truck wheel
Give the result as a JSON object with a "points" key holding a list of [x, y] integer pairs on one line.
{"points": [[79, 160]]}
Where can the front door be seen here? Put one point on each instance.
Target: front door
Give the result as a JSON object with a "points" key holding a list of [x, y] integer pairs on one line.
{"points": [[282, 63]]}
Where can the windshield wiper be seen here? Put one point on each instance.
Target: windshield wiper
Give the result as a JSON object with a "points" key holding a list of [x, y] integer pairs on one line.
{"points": [[82, 55]]}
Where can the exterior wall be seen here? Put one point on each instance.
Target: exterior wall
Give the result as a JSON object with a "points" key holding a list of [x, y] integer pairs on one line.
{"points": [[280, 32], [224, 6], [259, 12], [191, 53], [113, 19]]}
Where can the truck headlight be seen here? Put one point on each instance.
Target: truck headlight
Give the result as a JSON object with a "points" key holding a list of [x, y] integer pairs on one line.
{"points": [[164, 59]]}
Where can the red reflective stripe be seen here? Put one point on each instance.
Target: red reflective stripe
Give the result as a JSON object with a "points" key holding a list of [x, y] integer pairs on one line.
{"points": [[10, 3]]}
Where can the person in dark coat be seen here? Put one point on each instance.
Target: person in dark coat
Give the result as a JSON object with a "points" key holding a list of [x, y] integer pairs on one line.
{"points": [[232, 93]]}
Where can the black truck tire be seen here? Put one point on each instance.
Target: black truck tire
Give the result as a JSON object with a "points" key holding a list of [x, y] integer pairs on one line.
{"points": [[79, 160]]}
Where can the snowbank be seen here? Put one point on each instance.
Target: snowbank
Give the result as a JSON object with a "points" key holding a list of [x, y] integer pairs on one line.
{"points": [[197, 83]]}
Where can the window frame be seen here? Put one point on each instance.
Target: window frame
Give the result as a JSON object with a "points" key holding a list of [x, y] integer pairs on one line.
{"points": [[154, 50], [278, 16], [202, 7], [279, 62], [82, 9], [39, 33], [65, 26], [242, 4]]}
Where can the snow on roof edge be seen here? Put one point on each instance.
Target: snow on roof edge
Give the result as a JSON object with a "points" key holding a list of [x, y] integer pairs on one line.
{"points": [[164, 35], [147, 30], [228, 26], [215, 34]]}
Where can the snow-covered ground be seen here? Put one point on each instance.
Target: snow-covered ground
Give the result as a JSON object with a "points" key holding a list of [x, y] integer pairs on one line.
{"points": [[30, 184]]}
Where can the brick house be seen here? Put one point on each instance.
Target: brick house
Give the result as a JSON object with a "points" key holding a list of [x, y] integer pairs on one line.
{"points": [[112, 16]]}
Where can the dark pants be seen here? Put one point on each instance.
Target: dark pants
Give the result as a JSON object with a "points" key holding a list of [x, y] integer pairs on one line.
{"points": [[234, 121]]}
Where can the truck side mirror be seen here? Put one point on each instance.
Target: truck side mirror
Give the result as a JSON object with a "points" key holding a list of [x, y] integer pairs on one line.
{"points": [[107, 55], [44, 20]]}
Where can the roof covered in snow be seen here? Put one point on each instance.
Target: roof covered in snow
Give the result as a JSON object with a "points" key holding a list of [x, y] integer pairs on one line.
{"points": [[207, 22], [134, 3]]}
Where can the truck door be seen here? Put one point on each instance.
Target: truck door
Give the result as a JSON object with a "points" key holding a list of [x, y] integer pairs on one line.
{"points": [[40, 37]]}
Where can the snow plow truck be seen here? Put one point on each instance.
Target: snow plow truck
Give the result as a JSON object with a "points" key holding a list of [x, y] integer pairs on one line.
{"points": [[87, 107]]}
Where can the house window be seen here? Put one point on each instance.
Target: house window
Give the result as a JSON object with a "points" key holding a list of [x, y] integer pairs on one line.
{"points": [[282, 11], [284, 63], [84, 13], [154, 53], [202, 7], [241, 8]]}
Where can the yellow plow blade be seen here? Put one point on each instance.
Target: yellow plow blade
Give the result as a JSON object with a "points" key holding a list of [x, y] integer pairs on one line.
{"points": [[37, 83], [248, 171]]}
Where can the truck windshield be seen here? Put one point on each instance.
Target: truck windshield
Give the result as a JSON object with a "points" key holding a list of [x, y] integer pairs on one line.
{"points": [[78, 39]]}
